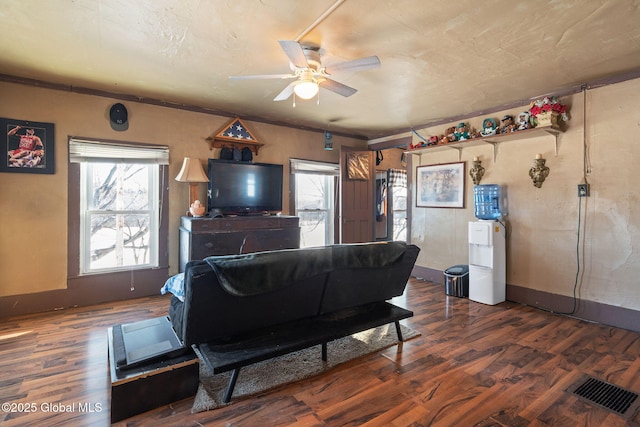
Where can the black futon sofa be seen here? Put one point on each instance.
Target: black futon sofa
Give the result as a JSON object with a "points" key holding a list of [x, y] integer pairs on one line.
{"points": [[241, 309]]}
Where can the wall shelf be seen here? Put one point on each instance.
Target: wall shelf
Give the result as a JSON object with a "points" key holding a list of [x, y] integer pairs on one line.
{"points": [[218, 143], [493, 140]]}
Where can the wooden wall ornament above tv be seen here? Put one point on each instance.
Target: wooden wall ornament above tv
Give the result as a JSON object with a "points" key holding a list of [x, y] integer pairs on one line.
{"points": [[234, 134]]}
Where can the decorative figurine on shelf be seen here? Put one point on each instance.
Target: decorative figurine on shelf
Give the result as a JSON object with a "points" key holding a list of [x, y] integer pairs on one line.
{"points": [[507, 124], [432, 140], [548, 111], [449, 136], [524, 121], [473, 133], [462, 131], [489, 127], [196, 209]]}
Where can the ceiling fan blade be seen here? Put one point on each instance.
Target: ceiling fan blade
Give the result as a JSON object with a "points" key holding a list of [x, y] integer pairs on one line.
{"points": [[294, 52], [338, 88], [286, 92], [361, 64], [263, 76]]}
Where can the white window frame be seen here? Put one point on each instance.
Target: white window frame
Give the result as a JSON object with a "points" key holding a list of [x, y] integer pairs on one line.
{"points": [[330, 171], [89, 152]]}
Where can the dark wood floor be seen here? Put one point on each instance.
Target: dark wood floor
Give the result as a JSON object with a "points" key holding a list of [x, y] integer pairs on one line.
{"points": [[474, 365]]}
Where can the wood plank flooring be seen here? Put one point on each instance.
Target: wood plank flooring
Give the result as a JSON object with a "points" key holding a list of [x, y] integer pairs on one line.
{"points": [[473, 365]]}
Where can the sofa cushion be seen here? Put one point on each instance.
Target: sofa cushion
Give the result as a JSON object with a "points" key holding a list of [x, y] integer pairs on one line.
{"points": [[350, 287], [264, 272]]}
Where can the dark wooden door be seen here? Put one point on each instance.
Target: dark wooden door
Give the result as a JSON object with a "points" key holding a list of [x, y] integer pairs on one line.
{"points": [[357, 202]]}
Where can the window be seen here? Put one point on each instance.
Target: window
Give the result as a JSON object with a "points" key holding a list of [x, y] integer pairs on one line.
{"points": [[315, 196], [119, 204], [398, 189]]}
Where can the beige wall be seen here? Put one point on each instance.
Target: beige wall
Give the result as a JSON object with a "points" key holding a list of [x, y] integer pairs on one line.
{"points": [[392, 159], [543, 222], [33, 218]]}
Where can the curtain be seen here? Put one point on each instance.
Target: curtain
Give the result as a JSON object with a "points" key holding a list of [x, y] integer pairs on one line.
{"points": [[397, 178]]}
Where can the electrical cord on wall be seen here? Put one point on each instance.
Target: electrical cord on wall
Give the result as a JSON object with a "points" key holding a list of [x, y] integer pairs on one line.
{"points": [[575, 283], [506, 230], [585, 170]]}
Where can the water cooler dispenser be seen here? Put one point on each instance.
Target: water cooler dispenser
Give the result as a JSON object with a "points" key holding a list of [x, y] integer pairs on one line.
{"points": [[489, 201], [487, 259], [487, 266]]}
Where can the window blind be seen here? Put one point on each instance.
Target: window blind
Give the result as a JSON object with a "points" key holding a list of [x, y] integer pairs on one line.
{"points": [[314, 167], [87, 150]]}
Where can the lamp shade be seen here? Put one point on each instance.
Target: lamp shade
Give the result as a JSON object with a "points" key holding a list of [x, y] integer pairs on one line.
{"points": [[191, 171]]}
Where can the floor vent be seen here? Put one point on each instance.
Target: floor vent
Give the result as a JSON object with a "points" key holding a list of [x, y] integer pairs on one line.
{"points": [[608, 396]]}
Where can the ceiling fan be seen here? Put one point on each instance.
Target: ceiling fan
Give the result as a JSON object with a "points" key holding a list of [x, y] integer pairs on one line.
{"points": [[310, 74]]}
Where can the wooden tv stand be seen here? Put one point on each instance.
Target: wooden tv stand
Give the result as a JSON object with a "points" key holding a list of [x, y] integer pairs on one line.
{"points": [[203, 237]]}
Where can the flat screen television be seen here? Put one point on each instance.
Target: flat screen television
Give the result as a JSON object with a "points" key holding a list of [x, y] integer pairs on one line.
{"points": [[243, 188]]}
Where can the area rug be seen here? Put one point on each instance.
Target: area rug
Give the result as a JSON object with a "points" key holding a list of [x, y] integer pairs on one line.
{"points": [[296, 366]]}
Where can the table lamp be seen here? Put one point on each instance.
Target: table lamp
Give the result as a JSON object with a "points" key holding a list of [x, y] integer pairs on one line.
{"points": [[193, 173]]}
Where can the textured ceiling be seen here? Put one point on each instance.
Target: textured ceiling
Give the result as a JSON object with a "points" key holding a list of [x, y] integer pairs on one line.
{"points": [[439, 59]]}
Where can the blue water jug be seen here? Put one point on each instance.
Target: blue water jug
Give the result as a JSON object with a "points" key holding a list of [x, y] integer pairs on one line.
{"points": [[488, 201]]}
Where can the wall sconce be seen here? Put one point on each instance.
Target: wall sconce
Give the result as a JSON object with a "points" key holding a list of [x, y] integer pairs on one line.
{"points": [[477, 171], [539, 172], [192, 173]]}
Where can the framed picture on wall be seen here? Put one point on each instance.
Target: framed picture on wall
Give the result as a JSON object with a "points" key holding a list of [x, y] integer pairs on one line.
{"points": [[440, 186], [28, 147]]}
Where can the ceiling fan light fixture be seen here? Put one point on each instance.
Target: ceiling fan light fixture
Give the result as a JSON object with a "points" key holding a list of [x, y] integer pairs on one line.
{"points": [[306, 89]]}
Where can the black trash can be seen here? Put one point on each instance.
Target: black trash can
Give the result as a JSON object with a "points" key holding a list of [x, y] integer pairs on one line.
{"points": [[456, 281]]}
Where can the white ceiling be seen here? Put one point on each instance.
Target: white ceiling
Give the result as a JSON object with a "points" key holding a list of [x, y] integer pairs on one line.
{"points": [[439, 59]]}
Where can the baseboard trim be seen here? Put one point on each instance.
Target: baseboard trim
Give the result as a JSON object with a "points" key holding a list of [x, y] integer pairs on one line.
{"points": [[87, 290], [428, 274], [590, 311]]}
